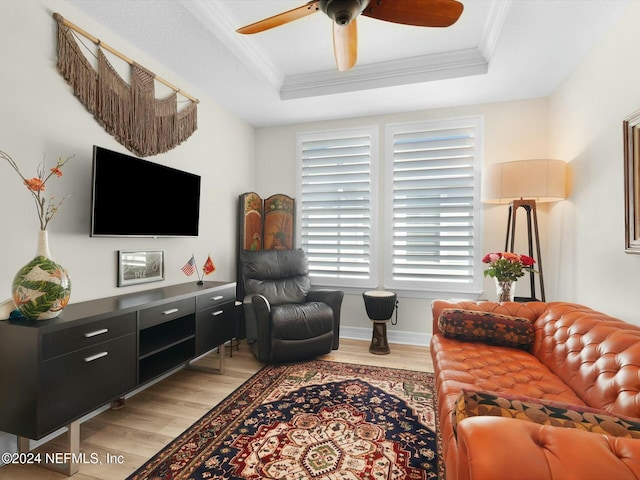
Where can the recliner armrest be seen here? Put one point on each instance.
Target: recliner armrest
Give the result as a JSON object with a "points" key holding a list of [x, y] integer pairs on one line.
{"points": [[257, 321], [333, 298]]}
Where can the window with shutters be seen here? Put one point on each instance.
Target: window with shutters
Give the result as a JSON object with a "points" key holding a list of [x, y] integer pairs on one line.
{"points": [[337, 205], [424, 237], [433, 206]]}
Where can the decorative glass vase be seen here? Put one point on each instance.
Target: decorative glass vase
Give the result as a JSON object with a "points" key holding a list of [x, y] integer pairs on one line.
{"points": [[41, 289], [506, 290]]}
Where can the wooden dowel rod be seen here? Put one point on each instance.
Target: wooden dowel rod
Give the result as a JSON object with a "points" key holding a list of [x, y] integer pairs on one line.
{"points": [[101, 44]]}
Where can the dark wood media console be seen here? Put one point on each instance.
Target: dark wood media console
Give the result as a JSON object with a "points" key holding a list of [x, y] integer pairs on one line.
{"points": [[56, 371]]}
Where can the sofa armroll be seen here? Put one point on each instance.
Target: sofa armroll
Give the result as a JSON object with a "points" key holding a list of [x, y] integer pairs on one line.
{"points": [[496, 448]]}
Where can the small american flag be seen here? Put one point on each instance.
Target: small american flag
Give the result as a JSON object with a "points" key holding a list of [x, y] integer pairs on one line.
{"points": [[189, 267]]}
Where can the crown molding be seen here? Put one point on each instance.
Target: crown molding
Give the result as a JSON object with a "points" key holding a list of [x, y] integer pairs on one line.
{"points": [[439, 66], [493, 27], [424, 68], [219, 21]]}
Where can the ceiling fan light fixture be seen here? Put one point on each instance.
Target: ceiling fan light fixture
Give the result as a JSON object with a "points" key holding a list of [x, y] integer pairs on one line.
{"points": [[342, 12]]}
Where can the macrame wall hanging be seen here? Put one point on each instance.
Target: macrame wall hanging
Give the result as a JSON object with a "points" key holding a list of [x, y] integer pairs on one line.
{"points": [[130, 112]]}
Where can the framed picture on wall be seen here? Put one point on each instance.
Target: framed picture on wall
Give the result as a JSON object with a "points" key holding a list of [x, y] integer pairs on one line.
{"points": [[140, 266], [631, 127]]}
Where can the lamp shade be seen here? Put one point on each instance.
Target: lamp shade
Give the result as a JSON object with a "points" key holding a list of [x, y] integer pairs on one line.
{"points": [[539, 180]]}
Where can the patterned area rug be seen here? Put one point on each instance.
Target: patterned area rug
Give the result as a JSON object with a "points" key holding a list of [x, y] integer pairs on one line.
{"points": [[315, 420]]}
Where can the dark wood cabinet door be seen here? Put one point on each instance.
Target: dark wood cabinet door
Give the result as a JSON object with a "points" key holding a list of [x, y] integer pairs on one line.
{"points": [[76, 383]]}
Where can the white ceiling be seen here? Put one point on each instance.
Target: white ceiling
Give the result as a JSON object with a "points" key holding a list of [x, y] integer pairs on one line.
{"points": [[498, 50]]}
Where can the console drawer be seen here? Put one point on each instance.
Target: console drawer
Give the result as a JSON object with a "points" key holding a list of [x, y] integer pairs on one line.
{"points": [[83, 336], [217, 297], [166, 312], [81, 381], [214, 326]]}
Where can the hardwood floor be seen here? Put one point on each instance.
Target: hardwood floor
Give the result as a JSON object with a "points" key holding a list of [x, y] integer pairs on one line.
{"points": [[122, 440]]}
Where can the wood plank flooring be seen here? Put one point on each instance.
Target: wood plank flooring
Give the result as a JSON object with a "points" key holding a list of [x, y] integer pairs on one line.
{"points": [[122, 440]]}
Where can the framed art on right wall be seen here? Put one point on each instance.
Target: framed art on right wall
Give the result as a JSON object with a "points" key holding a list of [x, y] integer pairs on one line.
{"points": [[631, 126]]}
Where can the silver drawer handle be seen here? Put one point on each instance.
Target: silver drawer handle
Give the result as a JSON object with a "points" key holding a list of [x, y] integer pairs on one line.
{"points": [[95, 357], [169, 312], [217, 297], [219, 312], [95, 333]]}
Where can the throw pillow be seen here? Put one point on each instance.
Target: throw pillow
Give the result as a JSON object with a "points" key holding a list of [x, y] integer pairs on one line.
{"points": [[544, 412], [488, 327]]}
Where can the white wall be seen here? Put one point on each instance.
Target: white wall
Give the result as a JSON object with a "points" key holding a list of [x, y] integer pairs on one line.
{"points": [[581, 123], [40, 116], [587, 230], [512, 130]]}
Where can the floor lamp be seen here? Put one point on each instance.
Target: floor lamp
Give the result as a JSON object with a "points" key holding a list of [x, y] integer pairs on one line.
{"points": [[524, 184]]}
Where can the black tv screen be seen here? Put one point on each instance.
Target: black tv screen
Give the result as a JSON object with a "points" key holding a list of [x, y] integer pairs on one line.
{"points": [[132, 197]]}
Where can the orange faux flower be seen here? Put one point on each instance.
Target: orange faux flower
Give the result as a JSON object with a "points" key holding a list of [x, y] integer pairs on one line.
{"points": [[35, 184], [512, 257], [46, 208]]}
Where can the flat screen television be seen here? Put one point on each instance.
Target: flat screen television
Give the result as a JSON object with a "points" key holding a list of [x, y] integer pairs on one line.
{"points": [[132, 197]]}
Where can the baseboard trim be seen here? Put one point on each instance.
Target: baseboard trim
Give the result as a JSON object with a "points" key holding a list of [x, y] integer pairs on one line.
{"points": [[393, 336]]}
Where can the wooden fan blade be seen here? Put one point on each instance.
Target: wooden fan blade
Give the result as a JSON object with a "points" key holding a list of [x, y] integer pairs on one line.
{"points": [[423, 13], [281, 18], [345, 44]]}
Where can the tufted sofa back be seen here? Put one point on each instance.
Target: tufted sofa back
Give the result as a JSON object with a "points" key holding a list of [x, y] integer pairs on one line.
{"points": [[598, 356]]}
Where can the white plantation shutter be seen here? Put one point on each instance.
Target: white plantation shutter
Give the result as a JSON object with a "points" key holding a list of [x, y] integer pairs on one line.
{"points": [[433, 204], [336, 205]]}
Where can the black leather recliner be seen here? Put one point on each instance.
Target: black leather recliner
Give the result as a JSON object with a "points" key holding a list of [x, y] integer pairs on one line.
{"points": [[286, 320]]}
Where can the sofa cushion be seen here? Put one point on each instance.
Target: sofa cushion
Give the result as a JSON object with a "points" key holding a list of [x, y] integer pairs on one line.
{"points": [[479, 366], [487, 327], [545, 412]]}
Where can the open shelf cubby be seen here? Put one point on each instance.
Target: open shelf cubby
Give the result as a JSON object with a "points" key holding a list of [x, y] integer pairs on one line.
{"points": [[166, 345], [154, 365], [165, 335]]}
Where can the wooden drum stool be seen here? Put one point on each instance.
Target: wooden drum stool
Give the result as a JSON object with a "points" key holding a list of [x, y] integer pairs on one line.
{"points": [[380, 305]]}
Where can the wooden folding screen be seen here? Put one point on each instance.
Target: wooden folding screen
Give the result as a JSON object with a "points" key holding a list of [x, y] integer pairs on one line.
{"points": [[264, 225]]}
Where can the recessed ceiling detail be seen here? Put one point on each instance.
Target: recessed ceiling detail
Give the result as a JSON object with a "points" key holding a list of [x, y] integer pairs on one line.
{"points": [[497, 51], [445, 64], [426, 68]]}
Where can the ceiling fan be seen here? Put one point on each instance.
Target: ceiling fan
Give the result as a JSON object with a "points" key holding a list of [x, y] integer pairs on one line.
{"points": [[423, 13]]}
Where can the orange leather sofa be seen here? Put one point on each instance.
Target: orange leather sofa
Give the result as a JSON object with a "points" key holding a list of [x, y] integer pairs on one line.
{"points": [[578, 356]]}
